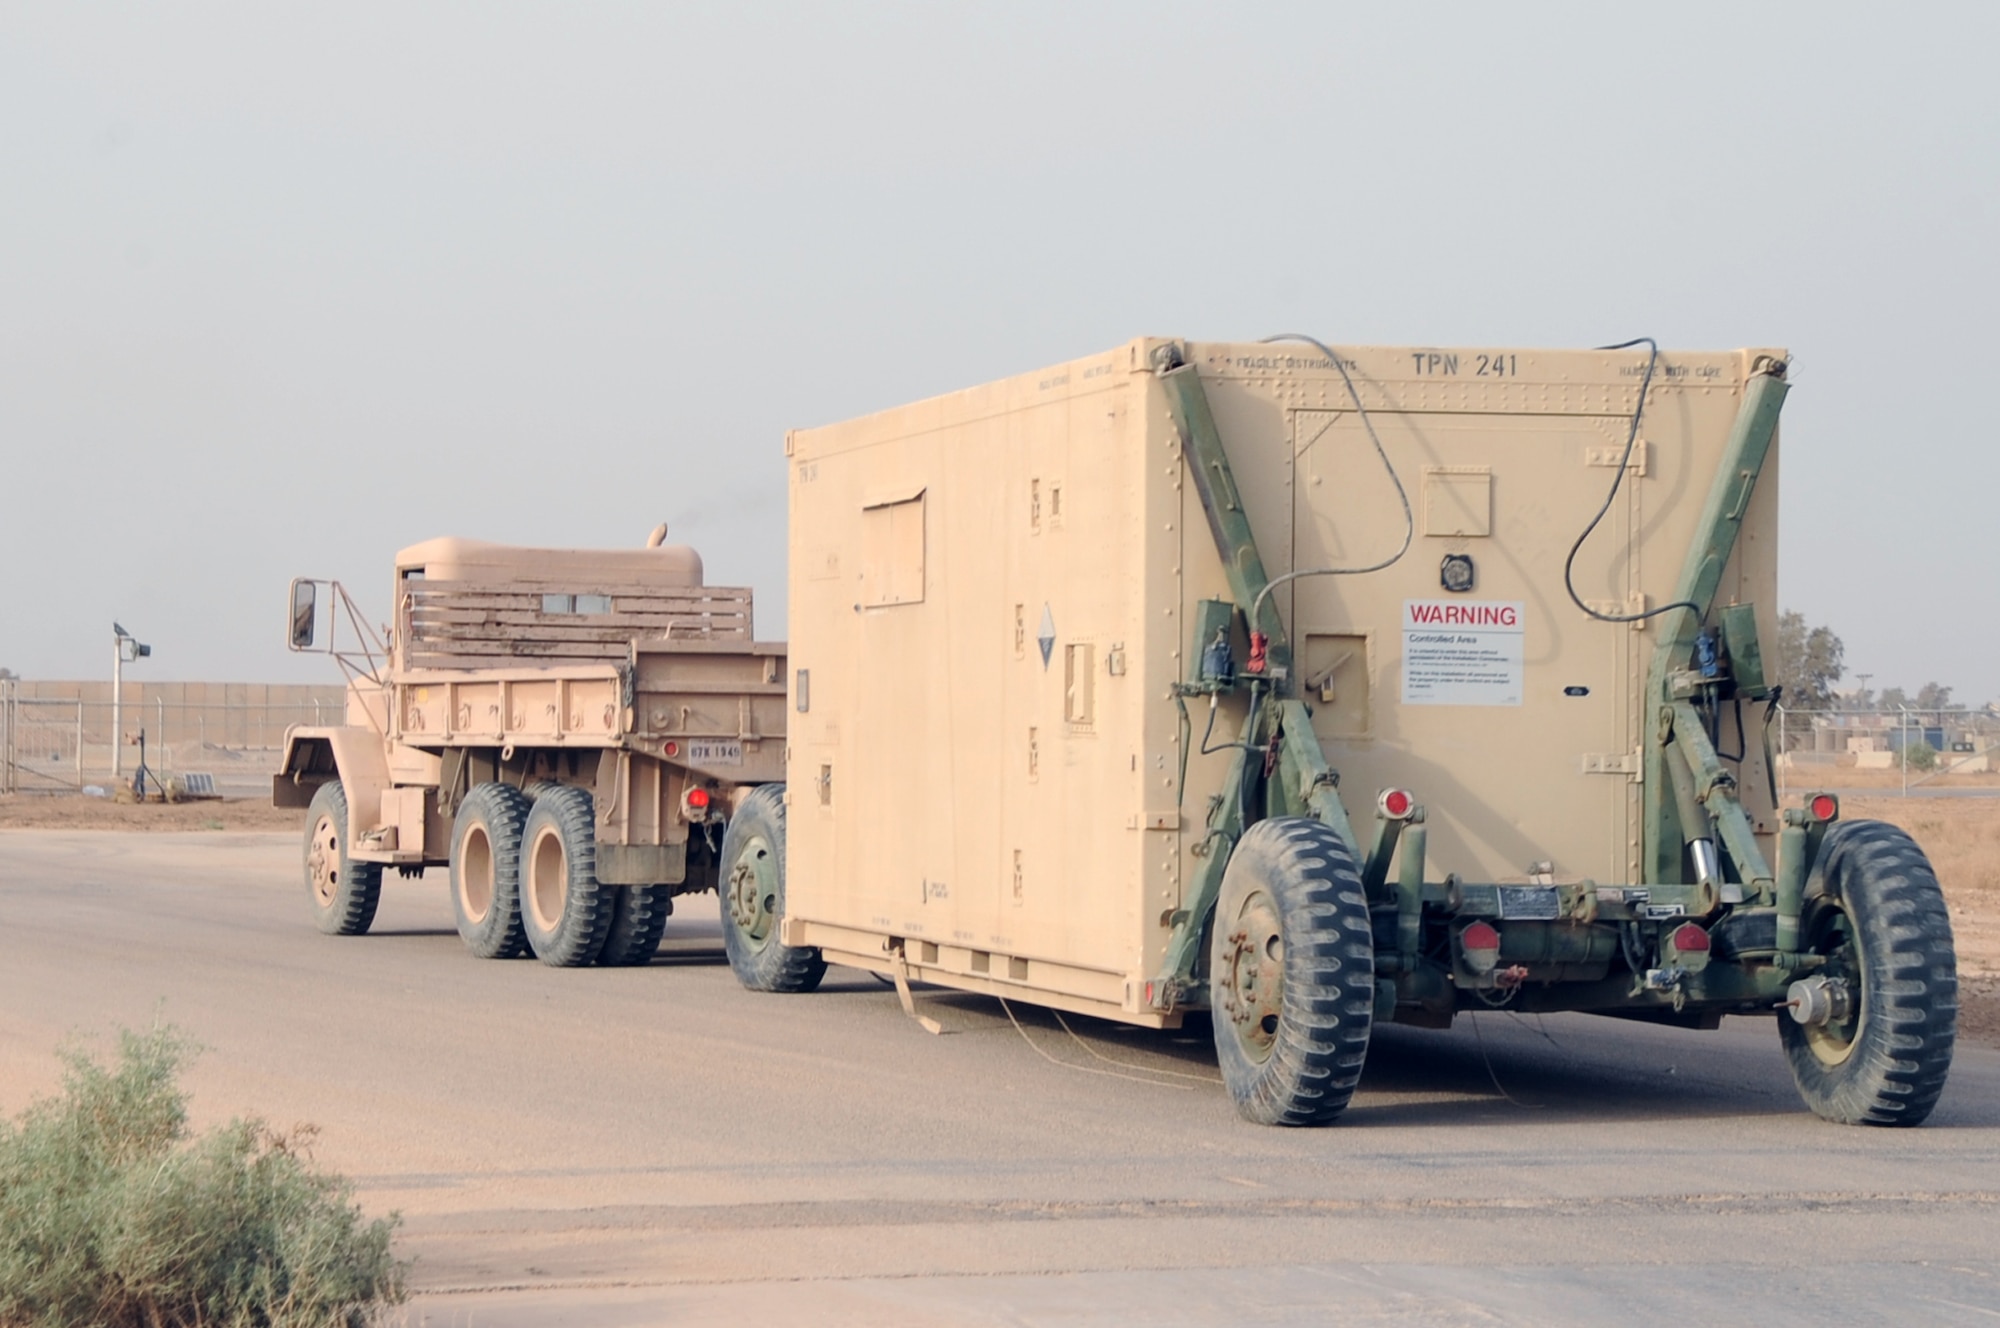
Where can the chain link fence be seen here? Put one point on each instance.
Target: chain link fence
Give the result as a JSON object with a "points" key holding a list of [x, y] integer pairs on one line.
{"points": [[69, 737], [58, 737], [1917, 745]]}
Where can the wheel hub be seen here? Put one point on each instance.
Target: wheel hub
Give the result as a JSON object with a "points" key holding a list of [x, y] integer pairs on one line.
{"points": [[548, 893], [323, 861], [1253, 975], [752, 896], [1818, 1001], [475, 874], [1833, 998]]}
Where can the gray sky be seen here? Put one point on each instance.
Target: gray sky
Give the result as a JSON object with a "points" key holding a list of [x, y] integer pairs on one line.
{"points": [[283, 288]]}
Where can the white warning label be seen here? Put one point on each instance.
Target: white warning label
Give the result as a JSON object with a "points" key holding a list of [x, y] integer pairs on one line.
{"points": [[1462, 652]]}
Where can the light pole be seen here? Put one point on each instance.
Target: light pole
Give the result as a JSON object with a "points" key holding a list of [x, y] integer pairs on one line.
{"points": [[124, 647], [1905, 716]]}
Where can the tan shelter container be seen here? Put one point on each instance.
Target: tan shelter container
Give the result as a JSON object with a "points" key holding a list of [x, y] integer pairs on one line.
{"points": [[994, 594]]}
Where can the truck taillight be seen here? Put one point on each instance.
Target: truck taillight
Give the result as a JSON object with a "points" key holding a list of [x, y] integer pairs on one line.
{"points": [[1686, 947], [1396, 804], [1480, 942], [695, 804], [1823, 806]]}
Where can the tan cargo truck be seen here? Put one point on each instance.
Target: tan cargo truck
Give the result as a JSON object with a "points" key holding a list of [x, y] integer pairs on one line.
{"points": [[1310, 689], [565, 730]]}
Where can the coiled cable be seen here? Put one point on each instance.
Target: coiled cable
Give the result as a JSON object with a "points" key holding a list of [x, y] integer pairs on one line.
{"points": [[1631, 440], [1402, 495]]}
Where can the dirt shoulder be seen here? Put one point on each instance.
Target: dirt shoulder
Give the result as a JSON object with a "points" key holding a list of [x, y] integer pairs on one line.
{"points": [[42, 812]]}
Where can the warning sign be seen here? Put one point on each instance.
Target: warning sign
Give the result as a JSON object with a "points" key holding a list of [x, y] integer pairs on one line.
{"points": [[1462, 652]]}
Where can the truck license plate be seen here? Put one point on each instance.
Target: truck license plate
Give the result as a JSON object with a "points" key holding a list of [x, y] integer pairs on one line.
{"points": [[715, 753]]}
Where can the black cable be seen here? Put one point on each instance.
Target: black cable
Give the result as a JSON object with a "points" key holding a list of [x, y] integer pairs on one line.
{"points": [[1631, 440], [1771, 704], [1249, 722], [1402, 494], [1633, 946]]}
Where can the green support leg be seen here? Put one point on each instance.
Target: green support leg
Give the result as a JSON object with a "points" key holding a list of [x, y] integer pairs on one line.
{"points": [[1715, 539]]}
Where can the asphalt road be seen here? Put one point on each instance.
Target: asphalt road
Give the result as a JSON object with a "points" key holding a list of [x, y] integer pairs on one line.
{"points": [[605, 1147]]}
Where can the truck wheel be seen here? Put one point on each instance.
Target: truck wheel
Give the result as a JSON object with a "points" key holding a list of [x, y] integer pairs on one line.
{"points": [[486, 870], [638, 919], [343, 893], [752, 887], [564, 910], [1292, 973], [1880, 1043]]}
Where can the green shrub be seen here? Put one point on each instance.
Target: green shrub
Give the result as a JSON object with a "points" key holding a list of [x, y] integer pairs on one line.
{"points": [[1920, 755], [113, 1216]]}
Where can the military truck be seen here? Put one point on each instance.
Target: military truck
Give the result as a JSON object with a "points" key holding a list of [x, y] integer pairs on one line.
{"points": [[565, 730], [1307, 689]]}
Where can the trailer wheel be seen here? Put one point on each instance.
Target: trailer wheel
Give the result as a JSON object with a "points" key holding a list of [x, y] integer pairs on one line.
{"points": [[1292, 973], [343, 893], [1879, 1047], [564, 910], [752, 887], [486, 870], [638, 919]]}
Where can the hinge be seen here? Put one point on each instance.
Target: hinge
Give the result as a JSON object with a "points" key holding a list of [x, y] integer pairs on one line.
{"points": [[1609, 454], [1611, 763], [1634, 603]]}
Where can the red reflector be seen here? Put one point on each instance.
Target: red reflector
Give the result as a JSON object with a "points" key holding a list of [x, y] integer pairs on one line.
{"points": [[1260, 644], [1690, 937], [1480, 936], [697, 798], [1824, 807], [673, 748], [1396, 802]]}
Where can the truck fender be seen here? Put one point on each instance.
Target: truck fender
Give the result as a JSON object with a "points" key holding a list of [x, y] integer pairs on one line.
{"points": [[353, 755]]}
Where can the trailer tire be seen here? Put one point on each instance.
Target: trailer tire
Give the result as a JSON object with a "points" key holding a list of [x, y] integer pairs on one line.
{"points": [[1874, 909], [751, 885], [565, 910], [486, 870], [1292, 973], [343, 893], [639, 916]]}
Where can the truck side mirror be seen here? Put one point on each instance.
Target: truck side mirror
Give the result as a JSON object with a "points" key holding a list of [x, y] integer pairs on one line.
{"points": [[305, 613]]}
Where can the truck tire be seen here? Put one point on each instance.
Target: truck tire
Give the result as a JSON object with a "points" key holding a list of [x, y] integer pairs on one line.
{"points": [[1874, 910], [565, 911], [1291, 973], [486, 870], [343, 893], [752, 889], [639, 916]]}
